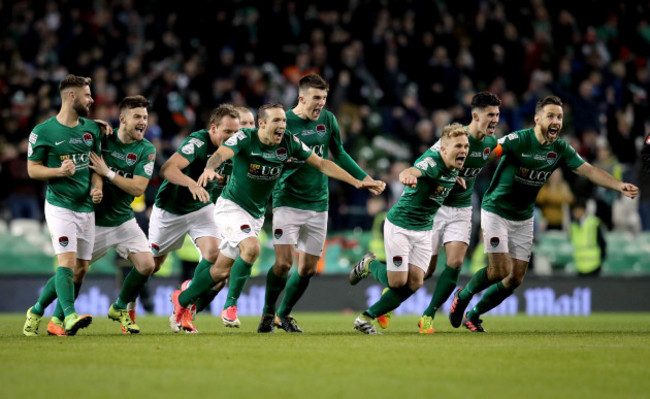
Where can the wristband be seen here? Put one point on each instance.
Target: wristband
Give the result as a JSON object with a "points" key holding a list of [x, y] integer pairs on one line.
{"points": [[110, 175]]}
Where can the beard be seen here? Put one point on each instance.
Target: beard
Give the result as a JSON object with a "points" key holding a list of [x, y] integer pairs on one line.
{"points": [[80, 109]]}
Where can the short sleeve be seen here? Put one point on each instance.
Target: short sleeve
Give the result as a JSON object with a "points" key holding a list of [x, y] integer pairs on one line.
{"points": [[146, 163], [37, 147], [299, 149], [428, 167], [236, 141]]}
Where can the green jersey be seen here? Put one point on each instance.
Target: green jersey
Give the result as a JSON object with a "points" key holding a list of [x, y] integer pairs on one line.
{"points": [[479, 151], [196, 148], [257, 167], [52, 143], [126, 160], [524, 168], [302, 186], [417, 206]]}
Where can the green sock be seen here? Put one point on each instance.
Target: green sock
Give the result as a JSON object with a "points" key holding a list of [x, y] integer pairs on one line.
{"points": [[494, 295], [58, 310], [444, 288], [389, 301], [65, 289], [274, 286], [378, 271], [294, 289], [201, 283], [202, 265], [206, 299], [48, 295], [131, 287], [239, 275], [477, 283]]}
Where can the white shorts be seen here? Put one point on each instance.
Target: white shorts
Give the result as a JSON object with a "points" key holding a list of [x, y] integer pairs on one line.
{"points": [[303, 228], [500, 235], [406, 247], [127, 238], [451, 224], [167, 230], [71, 231], [236, 226]]}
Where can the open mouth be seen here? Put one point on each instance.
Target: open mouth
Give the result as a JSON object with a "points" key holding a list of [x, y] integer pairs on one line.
{"points": [[491, 129], [552, 132], [316, 112], [139, 130], [278, 135], [460, 160]]}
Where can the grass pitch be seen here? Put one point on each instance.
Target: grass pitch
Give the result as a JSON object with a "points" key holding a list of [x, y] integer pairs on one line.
{"points": [[600, 356]]}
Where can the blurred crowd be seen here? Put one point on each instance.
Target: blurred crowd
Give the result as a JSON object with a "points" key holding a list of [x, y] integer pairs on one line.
{"points": [[399, 72]]}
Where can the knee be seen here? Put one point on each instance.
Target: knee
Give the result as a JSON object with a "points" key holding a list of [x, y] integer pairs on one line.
{"points": [[415, 285], [147, 268], [211, 254], [219, 275], [513, 281], [250, 251], [455, 263], [79, 275], [397, 283], [307, 272], [282, 266]]}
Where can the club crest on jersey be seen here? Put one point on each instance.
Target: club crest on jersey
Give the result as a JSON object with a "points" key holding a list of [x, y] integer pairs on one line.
{"points": [[486, 153], [647, 139], [131, 158], [63, 241], [397, 260], [551, 157], [88, 139], [278, 233], [320, 129], [494, 242], [245, 228], [155, 248], [281, 153]]}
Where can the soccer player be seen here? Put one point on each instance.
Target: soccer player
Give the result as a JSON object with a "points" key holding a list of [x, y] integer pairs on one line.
{"points": [[183, 206], [407, 230], [300, 203], [127, 169], [259, 156], [452, 225], [127, 166], [58, 153], [529, 158]]}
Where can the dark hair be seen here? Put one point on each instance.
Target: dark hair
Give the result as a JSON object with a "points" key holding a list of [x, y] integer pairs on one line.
{"points": [[313, 80], [261, 112], [134, 102], [220, 112], [485, 99], [553, 100], [74, 81]]}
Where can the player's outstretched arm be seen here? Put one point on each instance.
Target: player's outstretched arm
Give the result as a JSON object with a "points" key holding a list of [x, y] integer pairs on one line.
{"points": [[134, 186], [220, 156], [409, 177], [331, 169], [604, 179]]}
